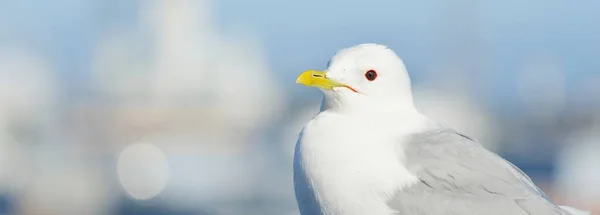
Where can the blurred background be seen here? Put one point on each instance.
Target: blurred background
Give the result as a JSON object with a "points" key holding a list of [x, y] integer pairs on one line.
{"points": [[177, 107]]}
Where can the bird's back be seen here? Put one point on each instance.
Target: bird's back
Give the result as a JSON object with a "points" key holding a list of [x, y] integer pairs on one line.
{"points": [[458, 176]]}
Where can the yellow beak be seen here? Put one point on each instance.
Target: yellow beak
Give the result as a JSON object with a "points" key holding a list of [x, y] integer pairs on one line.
{"points": [[313, 78]]}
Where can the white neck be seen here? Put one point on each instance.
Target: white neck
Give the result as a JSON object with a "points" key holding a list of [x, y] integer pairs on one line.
{"points": [[351, 161], [345, 101]]}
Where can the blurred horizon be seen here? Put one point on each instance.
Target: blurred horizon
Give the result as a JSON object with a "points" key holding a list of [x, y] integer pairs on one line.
{"points": [[191, 107]]}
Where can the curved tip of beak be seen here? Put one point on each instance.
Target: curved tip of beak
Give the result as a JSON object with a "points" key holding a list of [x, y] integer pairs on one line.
{"points": [[315, 78], [310, 77]]}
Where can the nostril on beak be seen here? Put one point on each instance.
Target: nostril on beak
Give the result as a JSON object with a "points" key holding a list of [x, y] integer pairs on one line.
{"points": [[317, 75]]}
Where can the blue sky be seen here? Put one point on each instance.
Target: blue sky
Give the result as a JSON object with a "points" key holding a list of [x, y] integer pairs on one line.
{"points": [[304, 34]]}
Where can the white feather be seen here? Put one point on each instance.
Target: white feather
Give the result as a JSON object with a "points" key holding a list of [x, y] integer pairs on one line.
{"points": [[351, 152], [349, 159], [352, 167]]}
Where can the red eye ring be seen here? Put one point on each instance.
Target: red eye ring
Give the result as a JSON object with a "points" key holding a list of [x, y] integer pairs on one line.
{"points": [[371, 75]]}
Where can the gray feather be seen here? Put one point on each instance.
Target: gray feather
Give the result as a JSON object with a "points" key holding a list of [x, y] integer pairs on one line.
{"points": [[459, 176]]}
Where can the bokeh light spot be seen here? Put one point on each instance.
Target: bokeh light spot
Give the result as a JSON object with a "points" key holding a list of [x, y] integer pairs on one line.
{"points": [[143, 170]]}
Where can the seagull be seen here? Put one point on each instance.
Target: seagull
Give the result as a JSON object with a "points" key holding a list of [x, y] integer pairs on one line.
{"points": [[370, 152]]}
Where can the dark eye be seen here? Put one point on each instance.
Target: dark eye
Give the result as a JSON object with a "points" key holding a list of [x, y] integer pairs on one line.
{"points": [[371, 75]]}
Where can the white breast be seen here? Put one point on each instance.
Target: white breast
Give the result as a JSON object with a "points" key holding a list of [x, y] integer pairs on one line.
{"points": [[353, 167]]}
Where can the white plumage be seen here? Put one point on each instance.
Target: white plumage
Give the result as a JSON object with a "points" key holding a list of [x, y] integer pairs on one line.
{"points": [[360, 154]]}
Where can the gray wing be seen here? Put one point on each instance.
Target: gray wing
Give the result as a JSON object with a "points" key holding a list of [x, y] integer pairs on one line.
{"points": [[458, 176]]}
